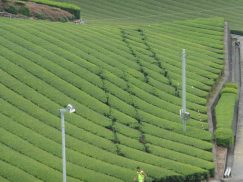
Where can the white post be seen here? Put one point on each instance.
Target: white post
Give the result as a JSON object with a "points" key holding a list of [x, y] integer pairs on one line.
{"points": [[184, 86], [184, 115], [69, 109], [183, 80], [63, 145]]}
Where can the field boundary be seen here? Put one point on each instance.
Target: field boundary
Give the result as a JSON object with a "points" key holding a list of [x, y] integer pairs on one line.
{"points": [[214, 99]]}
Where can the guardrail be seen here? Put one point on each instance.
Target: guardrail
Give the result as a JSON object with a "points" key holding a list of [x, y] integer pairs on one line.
{"points": [[227, 172]]}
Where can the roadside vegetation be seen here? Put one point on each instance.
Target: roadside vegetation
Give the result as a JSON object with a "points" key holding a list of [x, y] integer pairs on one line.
{"points": [[225, 112]]}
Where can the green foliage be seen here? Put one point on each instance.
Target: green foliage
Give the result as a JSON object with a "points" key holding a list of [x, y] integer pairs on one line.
{"points": [[229, 90], [238, 32], [231, 85], [224, 137], [24, 11], [126, 106], [224, 113], [12, 173], [11, 9], [181, 148], [161, 133], [183, 169], [73, 9]]}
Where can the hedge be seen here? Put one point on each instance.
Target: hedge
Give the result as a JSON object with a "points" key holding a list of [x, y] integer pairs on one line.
{"points": [[73, 9], [45, 67], [174, 126], [161, 133], [74, 131], [238, 32], [92, 151], [39, 85], [180, 168], [54, 162], [187, 159], [73, 156], [11, 173], [224, 137], [224, 114], [40, 72], [33, 167], [179, 147], [148, 71]]}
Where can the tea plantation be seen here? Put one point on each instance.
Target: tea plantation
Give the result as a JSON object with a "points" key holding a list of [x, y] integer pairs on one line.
{"points": [[125, 82], [149, 11]]}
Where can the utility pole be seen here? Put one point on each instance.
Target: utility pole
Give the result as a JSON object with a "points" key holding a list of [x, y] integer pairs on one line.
{"points": [[69, 109], [183, 114]]}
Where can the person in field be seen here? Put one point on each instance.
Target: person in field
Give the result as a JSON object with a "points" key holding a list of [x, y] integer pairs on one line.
{"points": [[141, 175]]}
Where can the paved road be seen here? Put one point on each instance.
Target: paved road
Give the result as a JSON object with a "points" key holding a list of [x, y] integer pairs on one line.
{"points": [[237, 169]]}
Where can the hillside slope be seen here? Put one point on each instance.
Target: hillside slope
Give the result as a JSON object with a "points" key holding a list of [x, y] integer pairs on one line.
{"points": [[150, 11], [125, 85]]}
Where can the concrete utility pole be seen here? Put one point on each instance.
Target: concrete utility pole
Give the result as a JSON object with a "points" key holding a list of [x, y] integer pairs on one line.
{"points": [[183, 114], [69, 109]]}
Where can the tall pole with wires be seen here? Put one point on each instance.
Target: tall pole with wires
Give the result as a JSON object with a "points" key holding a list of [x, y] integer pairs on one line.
{"points": [[183, 114], [69, 109]]}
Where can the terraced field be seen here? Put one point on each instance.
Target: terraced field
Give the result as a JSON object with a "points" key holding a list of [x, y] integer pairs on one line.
{"points": [[150, 11], [125, 84]]}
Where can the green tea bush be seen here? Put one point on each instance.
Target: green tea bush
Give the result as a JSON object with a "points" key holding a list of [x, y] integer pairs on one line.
{"points": [[229, 90], [127, 131], [122, 106], [34, 167], [123, 118], [45, 67], [73, 156], [133, 143], [179, 147], [224, 114], [28, 93], [224, 137], [231, 85], [180, 168], [45, 76], [10, 172], [165, 134], [187, 159], [174, 126]]}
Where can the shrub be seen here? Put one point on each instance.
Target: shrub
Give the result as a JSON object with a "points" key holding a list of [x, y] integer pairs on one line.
{"points": [[224, 137], [7, 171], [231, 85], [73, 9], [24, 11], [228, 90], [11, 9], [164, 163], [61, 64], [224, 113]]}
